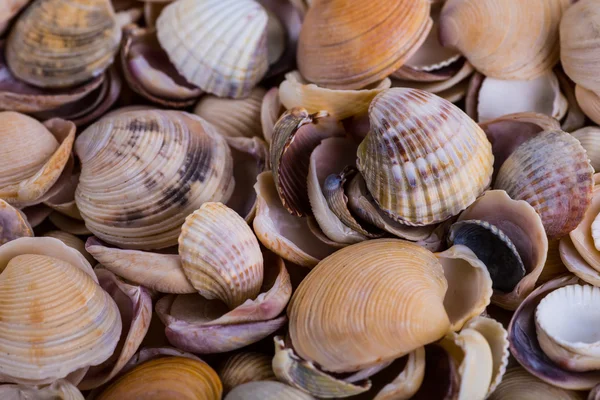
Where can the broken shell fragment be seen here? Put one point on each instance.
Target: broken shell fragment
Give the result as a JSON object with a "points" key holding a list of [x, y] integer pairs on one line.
{"points": [[266, 390], [245, 367], [13, 223]]}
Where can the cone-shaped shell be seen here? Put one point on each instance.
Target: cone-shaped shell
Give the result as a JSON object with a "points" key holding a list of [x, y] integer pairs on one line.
{"points": [[245, 367], [266, 390], [143, 172], [518, 383], [220, 255], [62, 43], [167, 378], [60, 389], [424, 160], [219, 46], [349, 45], [520, 40], [392, 292], [552, 172]]}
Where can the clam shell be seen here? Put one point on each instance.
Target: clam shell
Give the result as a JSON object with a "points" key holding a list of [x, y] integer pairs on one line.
{"points": [[372, 274], [266, 390], [219, 46], [518, 383], [425, 184], [13, 223], [220, 255], [552, 172], [408, 382], [520, 41], [245, 367], [73, 242], [589, 137], [346, 45], [169, 377], [270, 111], [60, 389], [589, 103], [143, 172], [63, 43]]}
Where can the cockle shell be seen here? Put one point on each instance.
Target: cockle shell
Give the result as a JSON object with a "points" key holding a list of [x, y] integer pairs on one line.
{"points": [[589, 102], [429, 183], [219, 46], [378, 271], [13, 223], [143, 172], [589, 137], [245, 367], [520, 40], [266, 390], [60, 389], [346, 45], [518, 383], [62, 43]]}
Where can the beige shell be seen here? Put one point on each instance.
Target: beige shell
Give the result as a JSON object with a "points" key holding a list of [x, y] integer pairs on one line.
{"points": [[220, 255], [44, 336], [13, 223], [245, 367], [371, 275], [518, 383], [72, 241], [520, 41], [266, 390], [60, 389], [218, 45], [421, 185], [589, 137], [143, 172], [589, 102], [62, 43]]}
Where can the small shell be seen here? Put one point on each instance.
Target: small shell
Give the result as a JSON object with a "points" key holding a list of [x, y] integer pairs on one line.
{"points": [[73, 242], [518, 383], [589, 137], [589, 102], [220, 255], [13, 223], [62, 43], [218, 45], [245, 367], [60, 389], [266, 390], [564, 195]]}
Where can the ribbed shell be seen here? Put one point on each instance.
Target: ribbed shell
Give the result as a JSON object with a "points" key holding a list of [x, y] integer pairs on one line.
{"points": [[62, 43], [384, 297], [143, 172], [267, 390], [508, 39], [351, 44], [589, 137], [550, 171], [167, 378], [218, 45], [424, 160], [245, 367], [54, 320], [220, 255]]}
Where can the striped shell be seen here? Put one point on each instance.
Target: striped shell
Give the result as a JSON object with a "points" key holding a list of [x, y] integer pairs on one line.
{"points": [[143, 172], [62, 43], [424, 160]]}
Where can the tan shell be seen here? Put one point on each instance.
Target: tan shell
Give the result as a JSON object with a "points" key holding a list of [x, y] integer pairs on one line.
{"points": [[520, 41], [373, 275], [346, 45], [60, 389], [72, 241], [266, 390], [13, 223], [62, 43], [245, 367], [143, 172], [426, 184], [44, 336], [589, 103], [219, 46], [220, 255], [518, 383], [589, 137]]}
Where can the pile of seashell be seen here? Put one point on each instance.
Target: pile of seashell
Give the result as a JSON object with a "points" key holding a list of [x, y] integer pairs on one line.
{"points": [[294, 199]]}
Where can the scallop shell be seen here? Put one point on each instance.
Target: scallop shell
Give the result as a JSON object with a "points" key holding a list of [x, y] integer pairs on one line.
{"points": [[421, 185], [372, 274], [46, 337], [518, 383], [143, 172], [168, 377], [73, 242], [245, 367], [60, 389], [13, 223], [589, 137], [220, 255], [346, 45], [589, 103], [63, 43], [266, 390], [552, 172], [520, 41], [218, 45]]}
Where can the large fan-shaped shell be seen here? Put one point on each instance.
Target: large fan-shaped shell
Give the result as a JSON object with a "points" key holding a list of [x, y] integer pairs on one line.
{"points": [[62, 43], [424, 160], [385, 297], [143, 172]]}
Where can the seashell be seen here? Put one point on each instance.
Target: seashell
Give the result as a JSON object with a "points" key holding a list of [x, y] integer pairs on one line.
{"points": [[508, 50], [220, 255], [73, 242], [554, 265], [266, 390], [219, 46], [589, 102], [295, 91], [245, 367], [494, 248], [441, 379], [560, 200], [233, 117], [60, 389], [519, 222], [330, 56], [518, 383], [149, 72], [142, 203], [270, 111], [411, 192], [382, 265], [25, 180], [575, 118], [63, 336], [589, 137], [13, 223], [49, 46], [469, 285], [408, 381], [295, 136], [68, 224], [9, 9], [169, 377]]}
